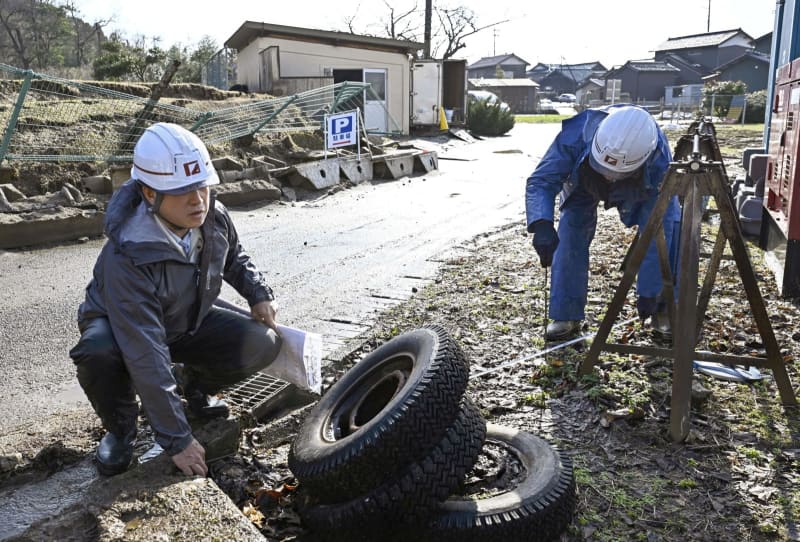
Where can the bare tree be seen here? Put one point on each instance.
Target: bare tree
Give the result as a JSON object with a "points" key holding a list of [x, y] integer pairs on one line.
{"points": [[83, 33], [457, 24], [13, 19], [401, 25], [49, 32], [453, 26]]}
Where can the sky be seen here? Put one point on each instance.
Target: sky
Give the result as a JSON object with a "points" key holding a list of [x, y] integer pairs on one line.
{"points": [[571, 32]]}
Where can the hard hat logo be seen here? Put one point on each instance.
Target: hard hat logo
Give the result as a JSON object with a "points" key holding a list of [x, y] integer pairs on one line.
{"points": [[610, 160], [191, 168]]}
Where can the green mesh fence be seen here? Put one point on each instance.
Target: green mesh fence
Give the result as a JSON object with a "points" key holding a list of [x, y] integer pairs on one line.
{"points": [[46, 118]]}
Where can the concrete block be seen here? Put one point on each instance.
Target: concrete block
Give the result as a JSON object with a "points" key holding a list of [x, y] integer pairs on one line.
{"points": [[67, 225], [247, 191], [427, 161], [393, 166], [74, 193], [98, 184], [119, 175], [356, 169], [11, 192], [220, 437], [320, 175], [748, 152], [757, 168], [227, 163], [256, 172], [750, 214], [229, 175], [268, 160]]}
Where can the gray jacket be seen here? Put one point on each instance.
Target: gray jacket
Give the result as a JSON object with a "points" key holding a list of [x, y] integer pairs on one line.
{"points": [[152, 295]]}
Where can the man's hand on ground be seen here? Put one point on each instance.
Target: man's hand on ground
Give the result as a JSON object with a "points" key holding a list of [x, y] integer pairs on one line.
{"points": [[192, 460]]}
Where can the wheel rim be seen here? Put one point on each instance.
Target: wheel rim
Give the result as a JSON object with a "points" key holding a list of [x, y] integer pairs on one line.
{"points": [[368, 397]]}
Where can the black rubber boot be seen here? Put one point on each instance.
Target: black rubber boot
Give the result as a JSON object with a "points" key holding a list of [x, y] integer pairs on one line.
{"points": [[562, 330], [662, 330], [114, 454], [201, 405]]}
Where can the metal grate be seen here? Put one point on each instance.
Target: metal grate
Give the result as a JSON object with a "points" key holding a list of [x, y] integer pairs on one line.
{"points": [[258, 394]]}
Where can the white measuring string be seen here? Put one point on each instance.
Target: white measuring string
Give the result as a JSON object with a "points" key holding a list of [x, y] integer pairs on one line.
{"points": [[542, 353]]}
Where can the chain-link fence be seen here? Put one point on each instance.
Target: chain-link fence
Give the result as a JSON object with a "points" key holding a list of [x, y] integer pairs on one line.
{"points": [[220, 70], [50, 119], [726, 108]]}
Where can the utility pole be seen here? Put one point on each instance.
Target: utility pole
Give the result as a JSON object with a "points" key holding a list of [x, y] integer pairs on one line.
{"points": [[708, 24], [494, 42], [426, 53]]}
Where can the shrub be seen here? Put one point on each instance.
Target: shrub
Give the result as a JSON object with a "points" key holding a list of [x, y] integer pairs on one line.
{"points": [[756, 107], [721, 94], [489, 119]]}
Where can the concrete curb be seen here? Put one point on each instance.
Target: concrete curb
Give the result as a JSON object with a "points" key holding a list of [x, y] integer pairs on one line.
{"points": [[151, 501]]}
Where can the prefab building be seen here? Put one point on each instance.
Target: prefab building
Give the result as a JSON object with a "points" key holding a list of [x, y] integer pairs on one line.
{"points": [[283, 60]]}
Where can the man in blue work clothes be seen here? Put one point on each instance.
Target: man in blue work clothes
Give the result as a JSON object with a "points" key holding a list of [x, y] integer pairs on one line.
{"points": [[614, 154]]}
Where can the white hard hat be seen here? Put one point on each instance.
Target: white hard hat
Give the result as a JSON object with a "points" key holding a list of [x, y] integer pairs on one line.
{"points": [[624, 140], [172, 160]]}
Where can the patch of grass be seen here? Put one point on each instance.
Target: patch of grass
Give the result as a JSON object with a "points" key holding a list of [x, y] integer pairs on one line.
{"points": [[541, 119], [537, 399]]}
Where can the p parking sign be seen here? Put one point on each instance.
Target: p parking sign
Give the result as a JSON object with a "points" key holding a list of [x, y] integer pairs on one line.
{"points": [[342, 129]]}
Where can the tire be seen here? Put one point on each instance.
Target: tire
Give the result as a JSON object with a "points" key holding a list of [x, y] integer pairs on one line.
{"points": [[538, 509], [412, 496], [385, 413]]}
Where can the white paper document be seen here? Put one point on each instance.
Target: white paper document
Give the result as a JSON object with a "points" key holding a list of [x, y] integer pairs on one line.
{"points": [[299, 361]]}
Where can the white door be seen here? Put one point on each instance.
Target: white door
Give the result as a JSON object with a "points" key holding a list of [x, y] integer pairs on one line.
{"points": [[375, 112], [427, 92]]}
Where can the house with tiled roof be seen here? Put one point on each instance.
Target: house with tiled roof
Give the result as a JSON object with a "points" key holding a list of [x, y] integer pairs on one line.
{"points": [[509, 65], [691, 73], [751, 67], [645, 79], [708, 50], [687, 62], [559, 78], [763, 43], [591, 91]]}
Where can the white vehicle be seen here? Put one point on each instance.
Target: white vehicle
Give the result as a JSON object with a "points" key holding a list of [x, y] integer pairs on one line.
{"points": [[489, 97], [546, 106]]}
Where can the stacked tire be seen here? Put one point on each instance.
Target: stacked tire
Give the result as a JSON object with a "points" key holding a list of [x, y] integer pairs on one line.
{"points": [[387, 446]]}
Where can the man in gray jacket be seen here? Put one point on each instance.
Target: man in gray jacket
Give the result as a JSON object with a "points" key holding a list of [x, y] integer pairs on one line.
{"points": [[150, 304]]}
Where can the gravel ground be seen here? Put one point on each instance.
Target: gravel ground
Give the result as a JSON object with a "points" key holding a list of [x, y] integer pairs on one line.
{"points": [[734, 478]]}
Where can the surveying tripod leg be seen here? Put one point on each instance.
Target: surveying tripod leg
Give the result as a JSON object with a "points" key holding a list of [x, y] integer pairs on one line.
{"points": [[684, 338], [730, 225]]}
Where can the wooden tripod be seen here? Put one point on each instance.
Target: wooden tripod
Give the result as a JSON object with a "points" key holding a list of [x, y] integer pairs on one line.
{"points": [[692, 179]]}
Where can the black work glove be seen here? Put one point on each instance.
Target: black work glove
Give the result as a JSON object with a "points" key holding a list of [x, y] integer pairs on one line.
{"points": [[647, 306], [545, 241]]}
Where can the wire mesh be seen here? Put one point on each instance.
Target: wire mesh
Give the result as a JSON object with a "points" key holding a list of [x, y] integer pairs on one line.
{"points": [[51, 119], [220, 70], [62, 120], [257, 394], [304, 111]]}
